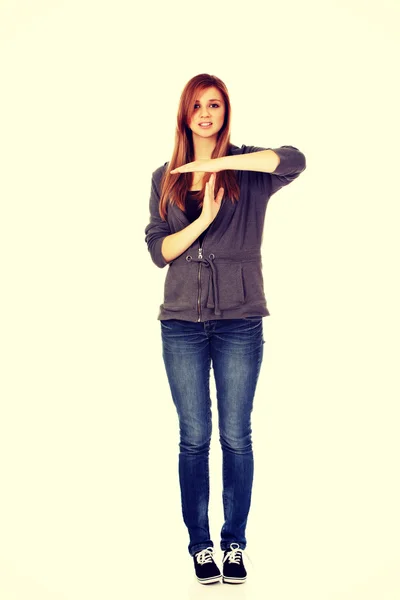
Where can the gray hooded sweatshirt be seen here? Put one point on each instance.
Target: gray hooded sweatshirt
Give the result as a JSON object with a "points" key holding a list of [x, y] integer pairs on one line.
{"points": [[223, 278]]}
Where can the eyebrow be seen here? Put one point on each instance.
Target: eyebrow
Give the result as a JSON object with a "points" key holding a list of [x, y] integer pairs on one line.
{"points": [[212, 100]]}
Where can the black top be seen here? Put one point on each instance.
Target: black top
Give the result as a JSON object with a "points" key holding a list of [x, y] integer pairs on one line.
{"points": [[193, 210]]}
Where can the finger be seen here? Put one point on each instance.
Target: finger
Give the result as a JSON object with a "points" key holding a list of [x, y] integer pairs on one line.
{"points": [[220, 195], [212, 183]]}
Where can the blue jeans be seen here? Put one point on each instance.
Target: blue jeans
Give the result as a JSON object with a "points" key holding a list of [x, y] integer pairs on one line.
{"points": [[235, 348]]}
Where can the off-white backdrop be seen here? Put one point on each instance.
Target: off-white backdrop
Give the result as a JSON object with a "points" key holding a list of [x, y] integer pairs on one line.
{"points": [[90, 503]]}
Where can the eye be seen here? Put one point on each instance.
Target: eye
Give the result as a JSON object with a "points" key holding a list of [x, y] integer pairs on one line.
{"points": [[213, 105]]}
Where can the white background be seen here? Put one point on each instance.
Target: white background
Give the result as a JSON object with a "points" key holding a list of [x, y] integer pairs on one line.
{"points": [[90, 501]]}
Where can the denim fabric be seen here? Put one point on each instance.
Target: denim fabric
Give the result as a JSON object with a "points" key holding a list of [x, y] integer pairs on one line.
{"points": [[234, 347]]}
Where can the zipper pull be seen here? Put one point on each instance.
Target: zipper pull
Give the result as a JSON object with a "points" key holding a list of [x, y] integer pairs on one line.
{"points": [[200, 253]]}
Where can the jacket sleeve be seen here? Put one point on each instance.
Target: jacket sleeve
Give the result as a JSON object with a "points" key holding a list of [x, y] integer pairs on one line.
{"points": [[292, 163], [157, 229]]}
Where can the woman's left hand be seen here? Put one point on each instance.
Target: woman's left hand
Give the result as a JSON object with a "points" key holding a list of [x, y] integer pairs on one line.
{"points": [[206, 165]]}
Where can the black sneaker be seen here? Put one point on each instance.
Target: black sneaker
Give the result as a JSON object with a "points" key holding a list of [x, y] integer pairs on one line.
{"points": [[205, 567], [232, 565]]}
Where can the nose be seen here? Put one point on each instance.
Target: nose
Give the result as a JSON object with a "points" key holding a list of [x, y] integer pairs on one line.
{"points": [[205, 112]]}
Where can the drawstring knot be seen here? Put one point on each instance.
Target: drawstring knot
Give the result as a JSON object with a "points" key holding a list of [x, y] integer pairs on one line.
{"points": [[209, 263]]}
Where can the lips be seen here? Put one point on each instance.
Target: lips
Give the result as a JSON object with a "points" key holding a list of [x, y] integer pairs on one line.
{"points": [[205, 123]]}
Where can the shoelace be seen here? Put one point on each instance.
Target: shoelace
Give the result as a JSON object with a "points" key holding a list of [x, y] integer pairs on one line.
{"points": [[233, 555], [205, 556]]}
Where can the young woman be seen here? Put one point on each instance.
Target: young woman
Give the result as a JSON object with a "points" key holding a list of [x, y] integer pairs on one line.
{"points": [[207, 210]]}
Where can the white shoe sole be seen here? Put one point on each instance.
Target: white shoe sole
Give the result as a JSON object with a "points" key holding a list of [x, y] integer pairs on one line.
{"points": [[210, 580], [233, 580]]}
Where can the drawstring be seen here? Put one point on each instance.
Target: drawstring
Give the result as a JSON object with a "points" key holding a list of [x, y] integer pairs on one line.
{"points": [[209, 262]]}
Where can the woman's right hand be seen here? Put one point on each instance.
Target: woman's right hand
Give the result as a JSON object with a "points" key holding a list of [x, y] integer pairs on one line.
{"points": [[175, 244], [211, 205]]}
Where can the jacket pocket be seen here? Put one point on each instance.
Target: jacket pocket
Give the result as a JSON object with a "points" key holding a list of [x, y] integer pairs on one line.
{"points": [[180, 287], [229, 281]]}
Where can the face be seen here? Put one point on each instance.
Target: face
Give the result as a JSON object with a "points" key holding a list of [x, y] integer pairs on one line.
{"points": [[209, 108]]}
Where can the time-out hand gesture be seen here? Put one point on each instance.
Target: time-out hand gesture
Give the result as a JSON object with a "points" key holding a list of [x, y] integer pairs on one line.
{"points": [[211, 205]]}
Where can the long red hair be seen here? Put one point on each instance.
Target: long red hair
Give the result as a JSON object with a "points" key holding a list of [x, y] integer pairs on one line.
{"points": [[174, 187]]}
